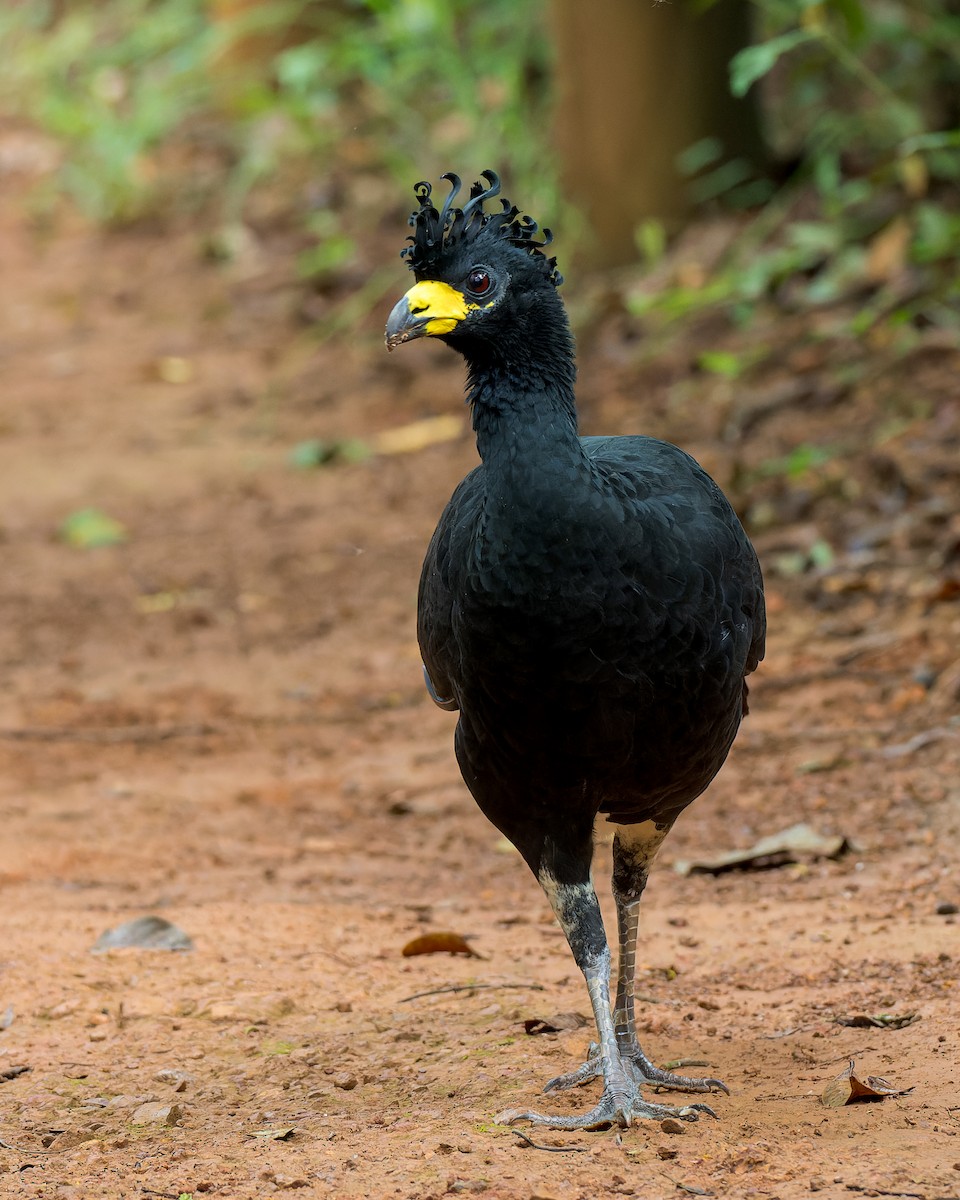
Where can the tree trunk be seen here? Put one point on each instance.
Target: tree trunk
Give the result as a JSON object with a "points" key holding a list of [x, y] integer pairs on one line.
{"points": [[638, 82]]}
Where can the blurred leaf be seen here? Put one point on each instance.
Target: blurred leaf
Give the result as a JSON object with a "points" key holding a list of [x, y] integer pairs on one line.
{"points": [[651, 240], [439, 943], [156, 602], [853, 15], [704, 153], [882, 1021], [326, 257], [754, 62], [721, 362], [314, 452], [173, 368], [803, 458], [89, 528], [406, 439], [821, 554]]}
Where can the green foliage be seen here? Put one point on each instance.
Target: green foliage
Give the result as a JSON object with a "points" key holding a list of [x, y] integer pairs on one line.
{"points": [[89, 529], [862, 96], [365, 85], [160, 103], [798, 463], [754, 62], [111, 82], [314, 452]]}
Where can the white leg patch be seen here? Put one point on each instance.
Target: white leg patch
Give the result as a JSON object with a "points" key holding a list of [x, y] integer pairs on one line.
{"points": [[566, 899]]}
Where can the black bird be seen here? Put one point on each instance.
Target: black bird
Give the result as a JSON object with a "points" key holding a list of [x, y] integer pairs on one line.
{"points": [[591, 606]]}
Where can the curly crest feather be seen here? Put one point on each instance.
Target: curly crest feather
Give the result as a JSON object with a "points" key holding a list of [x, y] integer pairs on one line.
{"points": [[436, 231]]}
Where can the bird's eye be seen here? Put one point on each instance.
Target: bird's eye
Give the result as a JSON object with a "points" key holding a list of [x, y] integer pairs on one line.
{"points": [[479, 281]]}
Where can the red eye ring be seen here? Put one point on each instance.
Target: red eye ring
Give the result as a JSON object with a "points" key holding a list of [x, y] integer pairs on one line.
{"points": [[479, 281]]}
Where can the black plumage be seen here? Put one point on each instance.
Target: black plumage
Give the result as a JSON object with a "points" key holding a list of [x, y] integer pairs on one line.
{"points": [[591, 606]]}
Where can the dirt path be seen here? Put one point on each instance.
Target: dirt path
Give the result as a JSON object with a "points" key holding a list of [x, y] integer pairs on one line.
{"points": [[220, 721]]}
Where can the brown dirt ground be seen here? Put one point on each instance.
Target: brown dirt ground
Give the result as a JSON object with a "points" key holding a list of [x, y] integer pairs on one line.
{"points": [[221, 721]]}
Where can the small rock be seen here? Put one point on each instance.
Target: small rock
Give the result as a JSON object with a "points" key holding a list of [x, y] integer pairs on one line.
{"points": [[157, 1114], [666, 1152], [63, 1009], [288, 1182], [345, 1081], [98, 1035], [145, 933], [70, 1138], [670, 1125], [947, 909], [179, 1079], [343, 1006]]}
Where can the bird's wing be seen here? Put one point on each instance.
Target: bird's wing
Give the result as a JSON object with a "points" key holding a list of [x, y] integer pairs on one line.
{"points": [[438, 589], [684, 549]]}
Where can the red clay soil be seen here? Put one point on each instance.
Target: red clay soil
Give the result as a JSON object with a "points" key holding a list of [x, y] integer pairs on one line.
{"points": [[220, 721]]}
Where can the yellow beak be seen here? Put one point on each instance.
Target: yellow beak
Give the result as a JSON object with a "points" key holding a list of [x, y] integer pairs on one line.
{"points": [[429, 309]]}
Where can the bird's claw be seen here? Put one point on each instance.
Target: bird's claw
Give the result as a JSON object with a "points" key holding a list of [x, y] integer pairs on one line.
{"points": [[680, 1083], [614, 1108], [591, 1069], [642, 1072]]}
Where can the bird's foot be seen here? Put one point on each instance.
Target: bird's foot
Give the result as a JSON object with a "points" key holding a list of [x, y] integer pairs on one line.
{"points": [[591, 1069], [641, 1070], [645, 1072], [618, 1106]]}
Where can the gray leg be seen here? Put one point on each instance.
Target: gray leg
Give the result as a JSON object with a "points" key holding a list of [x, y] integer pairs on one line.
{"points": [[578, 912], [634, 849]]}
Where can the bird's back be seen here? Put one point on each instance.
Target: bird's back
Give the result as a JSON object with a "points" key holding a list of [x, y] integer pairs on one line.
{"points": [[596, 631]]}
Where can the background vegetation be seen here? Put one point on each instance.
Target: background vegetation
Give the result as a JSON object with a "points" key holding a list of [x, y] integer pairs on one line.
{"points": [[165, 108]]}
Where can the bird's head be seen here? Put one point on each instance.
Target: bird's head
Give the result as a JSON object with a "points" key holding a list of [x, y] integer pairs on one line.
{"points": [[483, 280]]}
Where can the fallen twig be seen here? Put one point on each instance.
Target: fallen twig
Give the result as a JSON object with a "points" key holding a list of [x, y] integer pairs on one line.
{"points": [[22, 1149], [122, 733], [688, 1187], [917, 742], [553, 1149], [874, 1191], [470, 987]]}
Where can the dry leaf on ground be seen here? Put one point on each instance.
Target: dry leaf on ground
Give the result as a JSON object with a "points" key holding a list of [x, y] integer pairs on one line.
{"points": [[405, 439], [881, 1021], [555, 1024], [275, 1135], [848, 1088], [778, 850], [439, 943]]}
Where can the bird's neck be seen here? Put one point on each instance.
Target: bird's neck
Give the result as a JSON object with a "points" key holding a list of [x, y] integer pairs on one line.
{"points": [[523, 403], [536, 474]]}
